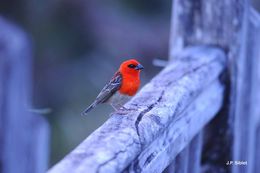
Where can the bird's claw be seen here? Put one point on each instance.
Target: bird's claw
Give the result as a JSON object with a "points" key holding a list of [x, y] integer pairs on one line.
{"points": [[123, 110]]}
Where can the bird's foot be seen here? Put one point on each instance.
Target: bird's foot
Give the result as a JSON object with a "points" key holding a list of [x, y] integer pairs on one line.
{"points": [[123, 110]]}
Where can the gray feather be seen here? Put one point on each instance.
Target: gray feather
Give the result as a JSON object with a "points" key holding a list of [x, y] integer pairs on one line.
{"points": [[108, 91]]}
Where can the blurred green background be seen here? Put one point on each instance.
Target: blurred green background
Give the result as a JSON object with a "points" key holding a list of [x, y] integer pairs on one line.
{"points": [[78, 45]]}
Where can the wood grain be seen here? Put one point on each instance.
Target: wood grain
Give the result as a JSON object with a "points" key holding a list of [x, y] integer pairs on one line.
{"points": [[160, 121]]}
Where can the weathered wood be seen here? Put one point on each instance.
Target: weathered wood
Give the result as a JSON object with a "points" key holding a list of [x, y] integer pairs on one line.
{"points": [[247, 99], [23, 136], [216, 143], [257, 152], [208, 22], [203, 22], [156, 157], [181, 161], [255, 55], [170, 168], [166, 112], [195, 152], [223, 24], [188, 160]]}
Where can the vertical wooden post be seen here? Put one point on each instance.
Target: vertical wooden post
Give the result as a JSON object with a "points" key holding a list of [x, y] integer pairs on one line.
{"points": [[257, 152], [195, 152], [189, 159], [255, 55], [246, 99], [181, 161], [23, 136], [217, 23], [222, 24]]}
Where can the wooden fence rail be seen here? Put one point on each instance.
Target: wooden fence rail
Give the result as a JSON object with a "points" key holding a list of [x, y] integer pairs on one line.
{"points": [[161, 120], [163, 129], [207, 95]]}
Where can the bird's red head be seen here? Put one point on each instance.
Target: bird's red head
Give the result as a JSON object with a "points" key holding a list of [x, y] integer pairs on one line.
{"points": [[131, 67]]}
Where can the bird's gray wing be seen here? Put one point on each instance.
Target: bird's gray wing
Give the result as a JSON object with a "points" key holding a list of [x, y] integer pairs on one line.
{"points": [[113, 86]]}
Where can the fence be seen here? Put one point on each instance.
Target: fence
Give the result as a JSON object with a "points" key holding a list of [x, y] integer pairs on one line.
{"points": [[212, 74], [18, 153], [198, 113]]}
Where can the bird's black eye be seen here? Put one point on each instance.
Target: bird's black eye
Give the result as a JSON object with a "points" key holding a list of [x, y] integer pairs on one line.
{"points": [[131, 66]]}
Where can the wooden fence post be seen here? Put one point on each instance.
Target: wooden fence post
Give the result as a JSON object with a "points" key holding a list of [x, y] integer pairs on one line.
{"points": [[195, 153], [23, 135], [189, 160], [234, 27], [246, 99], [222, 24], [254, 53]]}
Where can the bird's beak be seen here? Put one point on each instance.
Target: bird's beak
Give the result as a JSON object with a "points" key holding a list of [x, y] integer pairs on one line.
{"points": [[139, 67]]}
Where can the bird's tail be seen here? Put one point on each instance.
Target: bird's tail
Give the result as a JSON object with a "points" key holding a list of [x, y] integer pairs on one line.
{"points": [[89, 109]]}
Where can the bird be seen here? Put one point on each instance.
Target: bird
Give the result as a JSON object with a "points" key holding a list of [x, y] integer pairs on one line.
{"points": [[122, 86]]}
